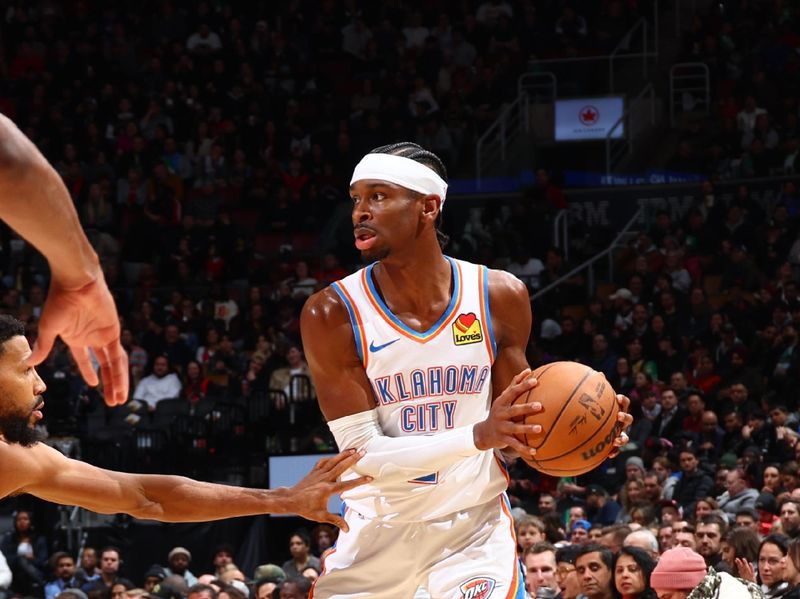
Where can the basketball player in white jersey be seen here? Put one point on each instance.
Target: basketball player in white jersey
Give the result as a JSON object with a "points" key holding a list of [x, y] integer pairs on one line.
{"points": [[418, 359]]}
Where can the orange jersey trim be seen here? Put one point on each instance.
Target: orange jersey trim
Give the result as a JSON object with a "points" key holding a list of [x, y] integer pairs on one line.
{"points": [[404, 330]]}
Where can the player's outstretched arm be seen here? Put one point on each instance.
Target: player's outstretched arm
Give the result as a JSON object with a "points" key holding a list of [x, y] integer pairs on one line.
{"points": [[44, 472], [347, 401], [79, 308], [512, 320]]}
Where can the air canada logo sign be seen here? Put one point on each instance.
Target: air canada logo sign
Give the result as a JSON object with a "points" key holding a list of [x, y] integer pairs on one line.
{"points": [[467, 329], [589, 115]]}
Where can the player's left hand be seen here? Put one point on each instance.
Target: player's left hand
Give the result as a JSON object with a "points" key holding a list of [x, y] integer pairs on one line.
{"points": [[86, 318], [625, 421]]}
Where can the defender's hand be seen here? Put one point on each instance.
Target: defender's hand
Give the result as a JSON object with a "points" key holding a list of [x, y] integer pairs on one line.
{"points": [[86, 318], [500, 427], [309, 497]]}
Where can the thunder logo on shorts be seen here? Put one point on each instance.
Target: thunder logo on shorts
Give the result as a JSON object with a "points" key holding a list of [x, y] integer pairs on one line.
{"points": [[477, 588]]}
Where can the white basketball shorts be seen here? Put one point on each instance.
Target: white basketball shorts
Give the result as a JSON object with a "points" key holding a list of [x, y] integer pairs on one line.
{"points": [[470, 554]]}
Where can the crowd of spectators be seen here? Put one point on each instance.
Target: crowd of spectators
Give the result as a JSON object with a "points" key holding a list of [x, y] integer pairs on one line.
{"points": [[700, 330], [99, 573], [751, 51]]}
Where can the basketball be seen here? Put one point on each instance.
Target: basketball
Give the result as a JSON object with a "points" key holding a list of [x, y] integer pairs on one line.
{"points": [[578, 419]]}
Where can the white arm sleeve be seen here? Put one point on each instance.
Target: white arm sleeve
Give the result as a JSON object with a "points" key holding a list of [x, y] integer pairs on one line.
{"points": [[400, 458]]}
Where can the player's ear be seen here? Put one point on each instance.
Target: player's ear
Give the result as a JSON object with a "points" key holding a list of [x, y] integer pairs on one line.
{"points": [[431, 207]]}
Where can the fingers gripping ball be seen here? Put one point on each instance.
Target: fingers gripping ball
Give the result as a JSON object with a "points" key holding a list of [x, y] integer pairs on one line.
{"points": [[579, 419]]}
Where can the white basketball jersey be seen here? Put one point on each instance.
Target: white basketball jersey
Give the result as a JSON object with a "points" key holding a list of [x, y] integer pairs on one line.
{"points": [[426, 383]]}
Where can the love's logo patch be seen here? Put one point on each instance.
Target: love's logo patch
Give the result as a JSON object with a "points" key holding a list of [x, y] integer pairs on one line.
{"points": [[467, 329]]}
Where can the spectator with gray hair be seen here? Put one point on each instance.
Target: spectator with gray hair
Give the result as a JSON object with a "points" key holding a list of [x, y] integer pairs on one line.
{"points": [[644, 540]]}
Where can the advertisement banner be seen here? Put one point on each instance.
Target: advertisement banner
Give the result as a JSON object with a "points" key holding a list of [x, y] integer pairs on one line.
{"points": [[588, 119], [613, 207]]}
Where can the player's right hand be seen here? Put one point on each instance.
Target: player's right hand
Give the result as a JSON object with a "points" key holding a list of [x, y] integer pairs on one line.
{"points": [[86, 318], [309, 497], [506, 420]]}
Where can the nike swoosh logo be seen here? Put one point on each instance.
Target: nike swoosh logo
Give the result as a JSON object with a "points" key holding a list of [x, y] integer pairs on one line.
{"points": [[374, 348]]}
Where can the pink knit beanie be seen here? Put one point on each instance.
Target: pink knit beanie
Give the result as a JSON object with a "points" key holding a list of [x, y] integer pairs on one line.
{"points": [[678, 569]]}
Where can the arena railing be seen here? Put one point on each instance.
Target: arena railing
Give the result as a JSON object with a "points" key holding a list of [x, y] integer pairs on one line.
{"points": [[689, 89], [632, 125], [638, 35], [620, 241], [493, 146], [541, 85], [561, 232]]}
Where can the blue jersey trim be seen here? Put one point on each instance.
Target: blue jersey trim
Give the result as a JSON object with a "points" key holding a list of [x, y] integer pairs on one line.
{"points": [[353, 321], [388, 313], [489, 328], [520, 586]]}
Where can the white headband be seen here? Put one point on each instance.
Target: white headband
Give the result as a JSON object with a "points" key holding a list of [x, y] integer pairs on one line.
{"points": [[400, 171]]}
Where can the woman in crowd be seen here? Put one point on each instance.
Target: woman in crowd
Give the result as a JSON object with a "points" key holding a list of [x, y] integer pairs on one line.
{"points": [[631, 496], [554, 528], [704, 507], [740, 543], [644, 515], [195, 384], [26, 552], [300, 549], [622, 377], [642, 385], [772, 480], [323, 537], [632, 569], [771, 566]]}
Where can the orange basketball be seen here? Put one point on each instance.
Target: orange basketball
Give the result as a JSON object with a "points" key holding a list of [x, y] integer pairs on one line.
{"points": [[579, 419]]}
